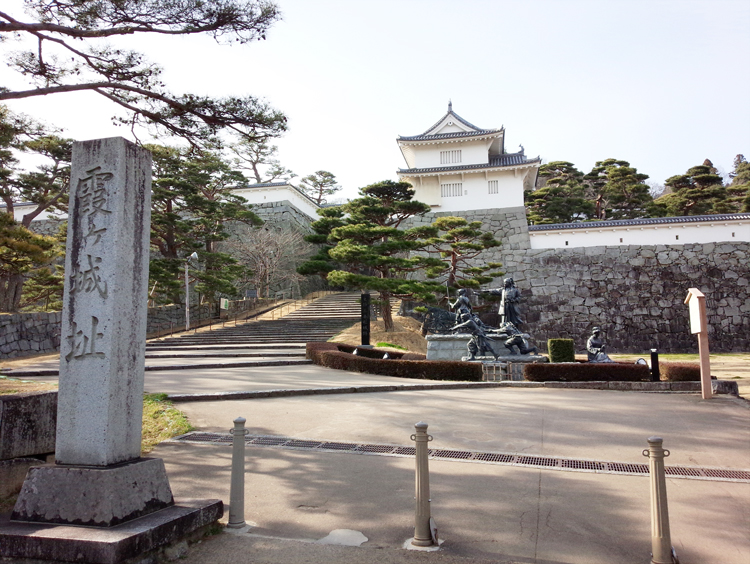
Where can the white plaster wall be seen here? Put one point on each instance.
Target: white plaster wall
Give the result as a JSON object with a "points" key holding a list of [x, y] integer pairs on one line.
{"points": [[476, 194], [20, 210], [672, 234], [472, 152], [269, 194]]}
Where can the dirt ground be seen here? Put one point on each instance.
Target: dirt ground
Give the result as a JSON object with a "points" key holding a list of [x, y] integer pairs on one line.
{"points": [[407, 335]]}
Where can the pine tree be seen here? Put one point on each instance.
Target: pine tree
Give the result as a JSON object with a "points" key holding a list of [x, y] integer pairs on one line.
{"points": [[700, 191], [619, 190], [459, 244], [561, 198], [739, 189], [375, 250]]}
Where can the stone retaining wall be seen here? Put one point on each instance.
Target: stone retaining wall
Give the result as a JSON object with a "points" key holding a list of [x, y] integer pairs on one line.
{"points": [[24, 334], [635, 293]]}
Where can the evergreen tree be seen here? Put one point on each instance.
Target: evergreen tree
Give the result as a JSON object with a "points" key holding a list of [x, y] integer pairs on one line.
{"points": [[46, 187], [319, 185], [321, 263], [70, 53], [192, 206], [375, 250], [618, 190], [21, 252], [257, 157], [459, 244], [700, 191], [561, 198], [739, 189]]}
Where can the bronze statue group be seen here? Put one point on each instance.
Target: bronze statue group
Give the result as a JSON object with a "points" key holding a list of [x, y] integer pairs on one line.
{"points": [[482, 335]]}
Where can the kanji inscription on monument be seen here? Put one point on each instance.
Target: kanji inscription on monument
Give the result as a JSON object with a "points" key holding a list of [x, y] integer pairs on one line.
{"points": [[104, 307]]}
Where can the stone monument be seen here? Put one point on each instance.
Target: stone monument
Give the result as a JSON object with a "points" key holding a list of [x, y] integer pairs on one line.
{"points": [[99, 478]]}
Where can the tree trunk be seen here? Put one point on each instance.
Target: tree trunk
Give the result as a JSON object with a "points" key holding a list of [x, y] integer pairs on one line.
{"points": [[385, 311], [11, 288]]}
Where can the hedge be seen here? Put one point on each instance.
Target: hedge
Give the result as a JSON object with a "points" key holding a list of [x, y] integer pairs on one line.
{"points": [[586, 372], [339, 357], [561, 350], [680, 371]]}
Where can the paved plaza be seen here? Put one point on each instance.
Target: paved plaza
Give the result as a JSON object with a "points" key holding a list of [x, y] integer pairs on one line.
{"points": [[489, 512], [487, 509]]}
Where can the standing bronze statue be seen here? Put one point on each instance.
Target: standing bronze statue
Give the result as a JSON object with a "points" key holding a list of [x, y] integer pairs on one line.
{"points": [[510, 311], [462, 303], [595, 347]]}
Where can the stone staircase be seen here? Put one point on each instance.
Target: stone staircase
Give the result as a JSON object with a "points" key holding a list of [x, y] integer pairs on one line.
{"points": [[317, 321]]}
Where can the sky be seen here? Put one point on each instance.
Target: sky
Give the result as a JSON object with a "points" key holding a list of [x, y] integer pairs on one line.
{"points": [[662, 84]]}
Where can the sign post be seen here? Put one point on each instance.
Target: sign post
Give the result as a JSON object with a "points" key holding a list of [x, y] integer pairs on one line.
{"points": [[696, 302]]}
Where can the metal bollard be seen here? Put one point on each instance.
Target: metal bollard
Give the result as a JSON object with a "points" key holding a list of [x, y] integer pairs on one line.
{"points": [[655, 376], [237, 489], [423, 535], [661, 543]]}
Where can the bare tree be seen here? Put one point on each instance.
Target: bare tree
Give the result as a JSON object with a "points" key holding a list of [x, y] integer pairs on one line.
{"points": [[271, 253]]}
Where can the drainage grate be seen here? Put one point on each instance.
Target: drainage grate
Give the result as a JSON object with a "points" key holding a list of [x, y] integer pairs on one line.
{"points": [[628, 468], [727, 474], [541, 462], [376, 449], [270, 441], [493, 457], [302, 444], [537, 461], [583, 465], [459, 454], [338, 446], [679, 471]]}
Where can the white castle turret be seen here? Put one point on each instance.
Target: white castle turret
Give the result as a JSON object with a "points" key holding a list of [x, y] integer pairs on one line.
{"points": [[456, 166]]}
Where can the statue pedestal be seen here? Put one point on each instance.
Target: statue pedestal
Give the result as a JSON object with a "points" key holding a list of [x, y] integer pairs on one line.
{"points": [[454, 347]]}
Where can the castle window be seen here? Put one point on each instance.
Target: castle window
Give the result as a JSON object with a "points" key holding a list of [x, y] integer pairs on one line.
{"points": [[450, 157], [450, 190], [492, 186]]}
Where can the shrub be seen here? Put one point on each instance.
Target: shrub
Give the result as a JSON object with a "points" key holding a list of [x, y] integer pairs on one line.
{"points": [[414, 356], [585, 372], [680, 371], [339, 357], [561, 350]]}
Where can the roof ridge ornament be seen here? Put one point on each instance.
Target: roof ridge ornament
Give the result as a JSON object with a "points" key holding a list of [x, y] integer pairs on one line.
{"points": [[450, 105]]}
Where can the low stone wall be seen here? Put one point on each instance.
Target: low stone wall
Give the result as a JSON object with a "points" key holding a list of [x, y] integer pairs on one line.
{"points": [[23, 334], [635, 294], [27, 424]]}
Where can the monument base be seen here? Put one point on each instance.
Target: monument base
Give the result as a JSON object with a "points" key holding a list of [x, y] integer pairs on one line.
{"points": [[454, 347], [521, 358], [93, 496], [139, 541]]}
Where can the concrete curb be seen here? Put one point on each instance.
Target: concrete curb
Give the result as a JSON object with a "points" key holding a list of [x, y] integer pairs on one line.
{"points": [[51, 372], [662, 387]]}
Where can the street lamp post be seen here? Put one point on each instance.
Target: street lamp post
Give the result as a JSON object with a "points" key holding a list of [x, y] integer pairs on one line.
{"points": [[187, 291]]}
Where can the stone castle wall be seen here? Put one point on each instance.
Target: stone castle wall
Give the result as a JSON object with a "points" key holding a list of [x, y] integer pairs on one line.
{"points": [[283, 214], [635, 294]]}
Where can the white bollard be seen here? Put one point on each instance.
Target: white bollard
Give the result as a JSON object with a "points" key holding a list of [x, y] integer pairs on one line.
{"points": [[422, 530], [661, 542], [237, 488]]}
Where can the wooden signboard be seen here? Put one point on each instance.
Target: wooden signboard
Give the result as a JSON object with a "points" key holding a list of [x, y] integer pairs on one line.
{"points": [[696, 302]]}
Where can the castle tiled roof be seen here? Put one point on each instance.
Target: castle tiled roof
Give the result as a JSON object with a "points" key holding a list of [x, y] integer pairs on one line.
{"points": [[425, 137], [640, 222], [510, 159]]}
